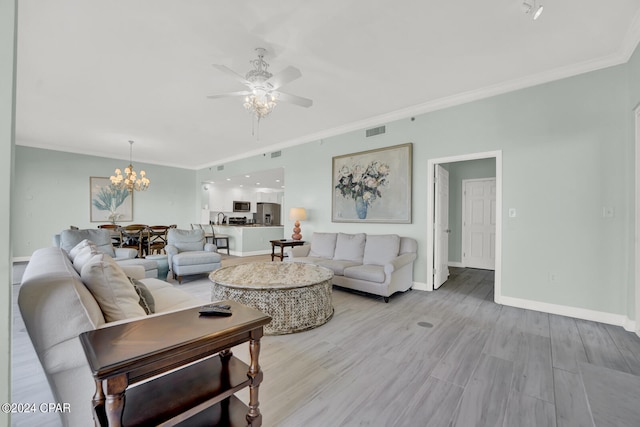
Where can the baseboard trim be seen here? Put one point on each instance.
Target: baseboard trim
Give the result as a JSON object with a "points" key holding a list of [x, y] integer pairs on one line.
{"points": [[21, 259], [575, 312], [455, 264], [419, 286], [252, 253]]}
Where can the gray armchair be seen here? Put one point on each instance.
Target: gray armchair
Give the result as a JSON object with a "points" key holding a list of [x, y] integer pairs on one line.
{"points": [[68, 239], [189, 254]]}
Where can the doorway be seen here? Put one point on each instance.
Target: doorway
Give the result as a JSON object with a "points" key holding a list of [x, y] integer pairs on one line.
{"points": [[433, 243]]}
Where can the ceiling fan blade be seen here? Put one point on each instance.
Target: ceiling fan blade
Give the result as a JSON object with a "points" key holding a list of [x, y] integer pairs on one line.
{"points": [[228, 71], [285, 76], [294, 99], [226, 95]]}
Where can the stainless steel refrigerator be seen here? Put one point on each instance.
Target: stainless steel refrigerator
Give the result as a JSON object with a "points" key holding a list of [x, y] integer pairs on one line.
{"points": [[268, 214]]}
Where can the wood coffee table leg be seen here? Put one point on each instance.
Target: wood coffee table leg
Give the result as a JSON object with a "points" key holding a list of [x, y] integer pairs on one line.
{"points": [[273, 251], [99, 417], [253, 416], [115, 399]]}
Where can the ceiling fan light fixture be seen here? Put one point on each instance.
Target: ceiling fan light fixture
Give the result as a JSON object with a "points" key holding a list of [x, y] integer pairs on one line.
{"points": [[263, 92]]}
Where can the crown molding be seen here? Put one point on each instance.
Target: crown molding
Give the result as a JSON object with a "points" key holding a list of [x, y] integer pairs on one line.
{"points": [[621, 57], [632, 39]]}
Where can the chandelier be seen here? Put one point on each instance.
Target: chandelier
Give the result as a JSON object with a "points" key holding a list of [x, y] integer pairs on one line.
{"points": [[130, 179], [262, 101]]}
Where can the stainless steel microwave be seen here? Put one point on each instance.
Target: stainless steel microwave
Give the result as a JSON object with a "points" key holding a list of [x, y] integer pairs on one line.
{"points": [[241, 206]]}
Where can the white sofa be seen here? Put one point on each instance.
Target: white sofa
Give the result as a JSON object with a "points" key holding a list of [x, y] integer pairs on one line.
{"points": [[379, 264], [57, 306]]}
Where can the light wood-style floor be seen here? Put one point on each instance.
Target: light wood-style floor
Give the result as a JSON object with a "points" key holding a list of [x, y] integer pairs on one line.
{"points": [[446, 358]]}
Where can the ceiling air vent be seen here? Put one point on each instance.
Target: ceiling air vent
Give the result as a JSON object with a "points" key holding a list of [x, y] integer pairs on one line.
{"points": [[375, 131], [276, 154], [221, 167]]}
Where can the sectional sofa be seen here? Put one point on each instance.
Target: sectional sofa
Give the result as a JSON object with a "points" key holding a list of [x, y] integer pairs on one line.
{"points": [[379, 264], [66, 293]]}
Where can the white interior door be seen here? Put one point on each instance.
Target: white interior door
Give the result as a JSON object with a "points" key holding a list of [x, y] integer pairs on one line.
{"points": [[441, 227], [479, 223]]}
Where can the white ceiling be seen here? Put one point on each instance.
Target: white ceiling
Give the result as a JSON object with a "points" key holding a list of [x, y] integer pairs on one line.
{"points": [[93, 75]]}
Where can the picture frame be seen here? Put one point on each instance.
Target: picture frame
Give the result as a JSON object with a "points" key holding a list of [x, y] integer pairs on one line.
{"points": [[107, 203], [373, 186]]}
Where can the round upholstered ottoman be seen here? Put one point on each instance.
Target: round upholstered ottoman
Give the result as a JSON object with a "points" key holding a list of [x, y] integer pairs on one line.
{"points": [[297, 296], [163, 265]]}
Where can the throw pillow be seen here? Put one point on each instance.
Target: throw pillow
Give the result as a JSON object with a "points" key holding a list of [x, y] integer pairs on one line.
{"points": [[147, 302], [350, 247], [111, 288], [77, 248], [323, 245], [83, 256], [381, 249]]}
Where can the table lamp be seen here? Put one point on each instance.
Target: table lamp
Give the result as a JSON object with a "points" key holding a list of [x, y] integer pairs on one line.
{"points": [[297, 215]]}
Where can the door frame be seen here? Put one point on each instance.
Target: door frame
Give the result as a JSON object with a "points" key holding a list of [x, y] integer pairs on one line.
{"points": [[637, 222], [431, 205], [464, 213]]}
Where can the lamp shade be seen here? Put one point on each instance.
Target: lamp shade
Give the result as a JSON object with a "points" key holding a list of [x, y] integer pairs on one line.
{"points": [[297, 214]]}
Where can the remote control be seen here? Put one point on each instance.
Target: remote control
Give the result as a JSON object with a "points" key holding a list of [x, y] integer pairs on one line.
{"points": [[226, 307], [214, 311]]}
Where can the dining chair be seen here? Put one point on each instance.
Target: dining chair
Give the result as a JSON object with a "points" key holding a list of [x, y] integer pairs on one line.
{"points": [[115, 234], [132, 236], [156, 238]]}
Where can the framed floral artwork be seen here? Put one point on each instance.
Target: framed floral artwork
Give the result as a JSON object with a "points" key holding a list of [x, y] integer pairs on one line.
{"points": [[373, 186], [108, 203]]}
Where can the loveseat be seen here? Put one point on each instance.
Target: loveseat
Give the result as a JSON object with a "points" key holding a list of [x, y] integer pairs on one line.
{"points": [[64, 294], [379, 264], [68, 239]]}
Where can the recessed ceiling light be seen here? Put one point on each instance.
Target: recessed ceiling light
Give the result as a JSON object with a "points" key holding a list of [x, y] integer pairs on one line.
{"points": [[257, 183], [228, 179], [277, 180], [247, 176]]}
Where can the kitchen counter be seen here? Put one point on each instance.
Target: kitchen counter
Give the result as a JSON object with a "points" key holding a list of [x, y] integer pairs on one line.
{"points": [[250, 239]]}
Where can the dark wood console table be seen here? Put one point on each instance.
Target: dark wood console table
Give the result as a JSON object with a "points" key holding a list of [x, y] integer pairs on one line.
{"points": [[200, 392], [283, 244]]}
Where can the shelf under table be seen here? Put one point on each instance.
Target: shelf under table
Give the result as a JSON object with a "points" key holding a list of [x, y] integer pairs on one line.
{"points": [[191, 391]]}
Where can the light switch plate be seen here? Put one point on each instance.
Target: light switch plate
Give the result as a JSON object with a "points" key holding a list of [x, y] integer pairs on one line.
{"points": [[512, 212]]}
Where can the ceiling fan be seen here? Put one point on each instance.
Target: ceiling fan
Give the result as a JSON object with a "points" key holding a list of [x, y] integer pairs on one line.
{"points": [[263, 93]]}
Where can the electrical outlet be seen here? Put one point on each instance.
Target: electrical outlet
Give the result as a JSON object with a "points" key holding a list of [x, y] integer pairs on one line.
{"points": [[608, 212], [553, 277]]}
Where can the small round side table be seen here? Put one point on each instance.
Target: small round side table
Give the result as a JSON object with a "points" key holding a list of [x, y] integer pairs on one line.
{"points": [[163, 265]]}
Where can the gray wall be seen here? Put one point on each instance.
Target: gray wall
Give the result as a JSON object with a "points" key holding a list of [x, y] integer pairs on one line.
{"points": [[7, 115], [459, 171], [567, 153], [52, 193]]}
